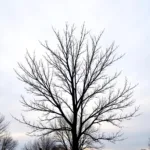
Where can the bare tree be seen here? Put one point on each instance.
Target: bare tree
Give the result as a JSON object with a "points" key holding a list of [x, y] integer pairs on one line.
{"points": [[58, 147], [7, 143], [3, 126], [74, 92], [44, 143], [149, 143]]}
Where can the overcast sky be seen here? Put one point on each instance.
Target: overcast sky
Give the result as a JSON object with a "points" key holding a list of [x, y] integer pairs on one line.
{"points": [[24, 22]]}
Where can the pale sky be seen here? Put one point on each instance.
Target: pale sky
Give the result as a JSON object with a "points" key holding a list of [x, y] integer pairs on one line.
{"points": [[24, 22]]}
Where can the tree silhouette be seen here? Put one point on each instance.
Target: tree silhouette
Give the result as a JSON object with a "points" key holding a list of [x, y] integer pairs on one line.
{"points": [[44, 143], [74, 92], [7, 142], [3, 126]]}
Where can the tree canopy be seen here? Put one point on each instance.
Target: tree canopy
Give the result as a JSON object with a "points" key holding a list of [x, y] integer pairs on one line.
{"points": [[74, 92]]}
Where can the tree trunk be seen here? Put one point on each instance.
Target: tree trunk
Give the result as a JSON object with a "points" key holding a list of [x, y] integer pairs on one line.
{"points": [[75, 143]]}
